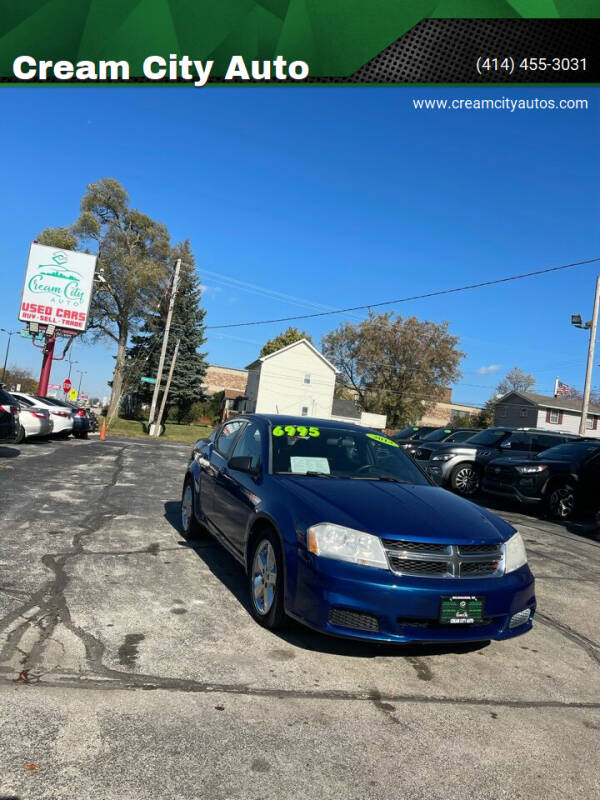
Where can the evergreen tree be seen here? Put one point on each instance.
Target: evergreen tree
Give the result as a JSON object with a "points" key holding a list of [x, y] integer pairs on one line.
{"points": [[187, 325]]}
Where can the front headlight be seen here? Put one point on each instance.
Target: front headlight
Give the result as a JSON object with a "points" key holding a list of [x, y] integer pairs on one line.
{"points": [[515, 554], [346, 544], [444, 457], [529, 469]]}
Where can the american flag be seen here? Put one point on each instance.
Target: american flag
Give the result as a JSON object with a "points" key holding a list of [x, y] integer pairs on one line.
{"points": [[562, 389]]}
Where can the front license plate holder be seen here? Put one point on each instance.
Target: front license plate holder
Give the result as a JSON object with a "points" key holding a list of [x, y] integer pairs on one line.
{"points": [[463, 609]]}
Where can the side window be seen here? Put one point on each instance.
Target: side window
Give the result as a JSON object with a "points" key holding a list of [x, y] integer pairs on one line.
{"points": [[544, 442], [226, 438], [249, 444], [518, 441]]}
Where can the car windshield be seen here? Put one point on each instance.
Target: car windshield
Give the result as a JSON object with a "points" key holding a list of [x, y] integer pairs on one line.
{"points": [[53, 401], [436, 435], [460, 436], [490, 437], [340, 453], [571, 452]]}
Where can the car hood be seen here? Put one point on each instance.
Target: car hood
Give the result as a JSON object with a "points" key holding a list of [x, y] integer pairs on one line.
{"points": [[393, 510]]}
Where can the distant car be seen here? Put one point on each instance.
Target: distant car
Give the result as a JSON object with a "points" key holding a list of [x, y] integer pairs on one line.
{"points": [[81, 421], [9, 417], [337, 528], [414, 433], [438, 436], [564, 478], [33, 421], [59, 413], [430, 444], [93, 420], [460, 466]]}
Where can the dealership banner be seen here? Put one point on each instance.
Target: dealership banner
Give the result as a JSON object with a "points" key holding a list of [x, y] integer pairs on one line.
{"points": [[58, 288], [288, 42]]}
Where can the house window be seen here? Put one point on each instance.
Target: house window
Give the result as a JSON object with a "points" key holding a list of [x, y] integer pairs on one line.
{"points": [[524, 411], [554, 417], [589, 423], [305, 411], [307, 377]]}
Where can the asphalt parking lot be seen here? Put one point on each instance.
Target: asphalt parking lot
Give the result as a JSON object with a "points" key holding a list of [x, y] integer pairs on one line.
{"points": [[131, 668]]}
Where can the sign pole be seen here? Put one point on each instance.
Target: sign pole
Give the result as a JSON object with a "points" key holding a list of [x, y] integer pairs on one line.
{"points": [[46, 366]]}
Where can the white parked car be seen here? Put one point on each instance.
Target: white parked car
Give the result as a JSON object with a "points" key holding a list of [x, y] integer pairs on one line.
{"points": [[33, 422], [60, 415]]}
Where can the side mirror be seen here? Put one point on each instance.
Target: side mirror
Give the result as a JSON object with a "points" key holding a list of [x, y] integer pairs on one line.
{"points": [[242, 464], [506, 445]]}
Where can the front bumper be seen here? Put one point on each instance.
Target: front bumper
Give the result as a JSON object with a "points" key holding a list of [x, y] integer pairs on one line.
{"points": [[406, 609], [523, 491]]}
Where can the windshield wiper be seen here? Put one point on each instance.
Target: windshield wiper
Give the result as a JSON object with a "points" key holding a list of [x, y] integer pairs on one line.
{"points": [[389, 479], [314, 474]]}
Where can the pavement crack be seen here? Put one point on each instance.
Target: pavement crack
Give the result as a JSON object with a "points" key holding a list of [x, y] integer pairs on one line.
{"points": [[590, 647]]}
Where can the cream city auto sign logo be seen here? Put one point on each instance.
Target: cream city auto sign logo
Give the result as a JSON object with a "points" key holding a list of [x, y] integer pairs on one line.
{"points": [[58, 280]]}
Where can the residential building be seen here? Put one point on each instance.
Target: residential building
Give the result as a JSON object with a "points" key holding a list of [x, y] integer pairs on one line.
{"points": [[298, 380], [531, 410]]}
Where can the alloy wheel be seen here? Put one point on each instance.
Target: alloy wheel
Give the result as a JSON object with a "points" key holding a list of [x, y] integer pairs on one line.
{"points": [[562, 502], [264, 577], [466, 481]]}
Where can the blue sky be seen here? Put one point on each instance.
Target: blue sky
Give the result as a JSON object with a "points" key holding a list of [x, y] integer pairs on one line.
{"points": [[333, 197]]}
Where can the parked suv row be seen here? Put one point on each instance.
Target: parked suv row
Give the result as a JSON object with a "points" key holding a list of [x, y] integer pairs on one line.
{"points": [[565, 478], [460, 466]]}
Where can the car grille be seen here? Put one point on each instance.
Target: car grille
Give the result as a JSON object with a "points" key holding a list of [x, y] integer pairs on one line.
{"points": [[353, 619], [434, 560], [501, 474]]}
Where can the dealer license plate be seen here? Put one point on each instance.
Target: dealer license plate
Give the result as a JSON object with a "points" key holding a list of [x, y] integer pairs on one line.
{"points": [[461, 610]]}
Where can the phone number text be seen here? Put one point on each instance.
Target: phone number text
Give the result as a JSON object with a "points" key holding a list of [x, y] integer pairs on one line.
{"points": [[510, 65]]}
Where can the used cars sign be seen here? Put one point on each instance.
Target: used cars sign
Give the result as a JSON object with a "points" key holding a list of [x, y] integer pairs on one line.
{"points": [[58, 287]]}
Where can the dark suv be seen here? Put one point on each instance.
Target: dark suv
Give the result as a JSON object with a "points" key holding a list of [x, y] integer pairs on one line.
{"points": [[437, 436], [565, 478], [414, 434], [9, 417], [460, 466]]}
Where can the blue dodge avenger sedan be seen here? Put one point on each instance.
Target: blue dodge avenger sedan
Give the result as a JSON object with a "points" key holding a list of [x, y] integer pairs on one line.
{"points": [[336, 527]]}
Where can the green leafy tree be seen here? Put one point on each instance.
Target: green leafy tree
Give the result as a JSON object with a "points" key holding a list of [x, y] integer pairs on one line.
{"points": [[187, 325], [485, 417], [288, 336], [133, 252], [394, 366], [20, 376]]}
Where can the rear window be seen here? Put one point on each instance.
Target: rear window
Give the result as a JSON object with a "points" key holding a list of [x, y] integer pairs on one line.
{"points": [[6, 399]]}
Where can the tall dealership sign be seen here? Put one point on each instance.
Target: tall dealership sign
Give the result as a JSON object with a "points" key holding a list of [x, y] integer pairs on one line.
{"points": [[58, 288]]}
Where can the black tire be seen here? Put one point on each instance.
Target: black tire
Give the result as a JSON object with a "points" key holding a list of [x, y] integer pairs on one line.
{"points": [[20, 435], [190, 526], [561, 500], [465, 479], [81, 435], [63, 435], [274, 616]]}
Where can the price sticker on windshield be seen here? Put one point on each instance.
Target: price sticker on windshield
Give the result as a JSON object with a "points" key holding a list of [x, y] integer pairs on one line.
{"points": [[296, 430], [382, 439]]}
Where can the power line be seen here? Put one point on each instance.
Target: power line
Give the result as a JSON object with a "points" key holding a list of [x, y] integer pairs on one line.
{"points": [[367, 306]]}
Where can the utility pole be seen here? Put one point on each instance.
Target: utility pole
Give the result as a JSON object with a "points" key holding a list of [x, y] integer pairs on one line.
{"points": [[10, 335], [165, 342], [81, 372], [590, 361], [166, 392]]}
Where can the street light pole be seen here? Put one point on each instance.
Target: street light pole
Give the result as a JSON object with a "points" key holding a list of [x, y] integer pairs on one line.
{"points": [[10, 335], [81, 372], [593, 326]]}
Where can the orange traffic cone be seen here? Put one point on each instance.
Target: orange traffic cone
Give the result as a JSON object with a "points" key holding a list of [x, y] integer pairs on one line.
{"points": [[103, 430]]}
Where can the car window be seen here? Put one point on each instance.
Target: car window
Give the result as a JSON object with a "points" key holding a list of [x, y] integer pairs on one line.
{"points": [[577, 452], [24, 400], [407, 433], [437, 435], [460, 436], [490, 437], [518, 441], [543, 441], [249, 445], [341, 453], [226, 437]]}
